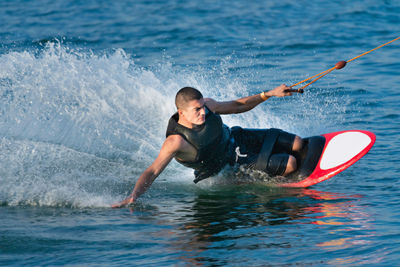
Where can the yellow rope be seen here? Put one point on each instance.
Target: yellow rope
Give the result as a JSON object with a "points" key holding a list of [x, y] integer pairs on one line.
{"points": [[337, 66]]}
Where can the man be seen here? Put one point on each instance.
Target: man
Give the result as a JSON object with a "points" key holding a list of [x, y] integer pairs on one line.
{"points": [[197, 138]]}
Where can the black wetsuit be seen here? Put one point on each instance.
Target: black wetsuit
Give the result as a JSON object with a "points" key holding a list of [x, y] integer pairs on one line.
{"points": [[217, 145]]}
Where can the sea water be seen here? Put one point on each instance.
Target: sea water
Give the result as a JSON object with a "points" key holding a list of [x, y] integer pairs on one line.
{"points": [[86, 91]]}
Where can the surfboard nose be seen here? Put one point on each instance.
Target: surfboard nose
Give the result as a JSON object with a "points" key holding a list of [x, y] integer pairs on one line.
{"points": [[344, 147]]}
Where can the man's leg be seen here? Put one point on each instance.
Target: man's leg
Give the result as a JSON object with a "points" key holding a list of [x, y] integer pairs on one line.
{"points": [[285, 163], [291, 165], [282, 161], [297, 144]]}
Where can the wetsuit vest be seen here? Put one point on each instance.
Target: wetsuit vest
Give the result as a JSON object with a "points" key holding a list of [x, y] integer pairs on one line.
{"points": [[212, 142]]}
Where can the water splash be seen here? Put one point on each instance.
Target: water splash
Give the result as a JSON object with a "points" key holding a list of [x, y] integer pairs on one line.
{"points": [[77, 128]]}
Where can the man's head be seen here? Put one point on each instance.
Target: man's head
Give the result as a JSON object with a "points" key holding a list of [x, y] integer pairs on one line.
{"points": [[190, 104]]}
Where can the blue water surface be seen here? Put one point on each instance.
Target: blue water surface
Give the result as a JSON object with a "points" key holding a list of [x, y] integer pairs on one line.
{"points": [[86, 91]]}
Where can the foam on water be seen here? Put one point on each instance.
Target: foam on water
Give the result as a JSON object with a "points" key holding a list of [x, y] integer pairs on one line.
{"points": [[78, 128]]}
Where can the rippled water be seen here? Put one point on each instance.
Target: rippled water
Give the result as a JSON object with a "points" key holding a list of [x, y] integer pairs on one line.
{"points": [[87, 88]]}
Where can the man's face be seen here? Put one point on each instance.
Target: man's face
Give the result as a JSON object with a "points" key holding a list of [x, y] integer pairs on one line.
{"points": [[195, 112]]}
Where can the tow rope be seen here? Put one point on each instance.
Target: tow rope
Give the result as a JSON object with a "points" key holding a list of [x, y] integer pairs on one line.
{"points": [[337, 66]]}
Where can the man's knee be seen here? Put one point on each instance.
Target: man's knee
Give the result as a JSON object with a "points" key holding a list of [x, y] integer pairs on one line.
{"points": [[291, 165], [297, 144]]}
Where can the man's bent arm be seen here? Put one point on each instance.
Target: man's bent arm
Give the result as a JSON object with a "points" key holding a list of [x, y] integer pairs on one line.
{"points": [[167, 152], [246, 103]]}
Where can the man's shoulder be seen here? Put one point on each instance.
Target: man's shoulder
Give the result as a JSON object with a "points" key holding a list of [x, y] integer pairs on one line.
{"points": [[176, 142], [174, 138], [211, 104]]}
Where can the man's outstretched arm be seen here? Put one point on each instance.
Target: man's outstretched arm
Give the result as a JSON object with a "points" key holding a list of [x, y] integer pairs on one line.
{"points": [[171, 145], [246, 103]]}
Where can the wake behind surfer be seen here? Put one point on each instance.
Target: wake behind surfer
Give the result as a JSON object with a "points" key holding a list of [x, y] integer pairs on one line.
{"points": [[197, 138]]}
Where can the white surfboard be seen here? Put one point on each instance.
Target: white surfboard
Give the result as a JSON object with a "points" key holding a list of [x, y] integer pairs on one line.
{"points": [[340, 151]]}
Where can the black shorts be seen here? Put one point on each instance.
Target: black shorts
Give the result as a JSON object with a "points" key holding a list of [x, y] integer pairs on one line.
{"points": [[249, 142]]}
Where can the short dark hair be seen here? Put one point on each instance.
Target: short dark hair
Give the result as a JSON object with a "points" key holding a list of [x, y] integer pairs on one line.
{"points": [[185, 95]]}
